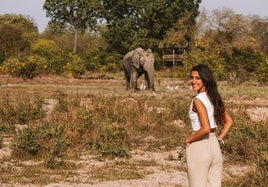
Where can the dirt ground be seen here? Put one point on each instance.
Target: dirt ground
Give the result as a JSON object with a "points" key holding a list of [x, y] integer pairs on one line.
{"points": [[166, 172], [169, 170]]}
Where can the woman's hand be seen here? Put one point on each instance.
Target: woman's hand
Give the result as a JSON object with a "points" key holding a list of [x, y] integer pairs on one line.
{"points": [[187, 142]]}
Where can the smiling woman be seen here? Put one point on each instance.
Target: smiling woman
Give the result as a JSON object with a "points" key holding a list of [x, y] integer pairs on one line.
{"points": [[207, 112]]}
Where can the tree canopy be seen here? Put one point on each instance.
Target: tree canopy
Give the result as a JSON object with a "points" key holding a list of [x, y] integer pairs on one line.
{"points": [[144, 23], [16, 34], [233, 45], [79, 15], [227, 43], [129, 23]]}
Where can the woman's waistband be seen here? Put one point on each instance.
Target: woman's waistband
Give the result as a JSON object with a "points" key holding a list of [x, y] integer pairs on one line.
{"points": [[212, 131]]}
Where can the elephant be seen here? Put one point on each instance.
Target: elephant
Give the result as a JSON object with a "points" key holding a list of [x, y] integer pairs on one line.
{"points": [[136, 63]]}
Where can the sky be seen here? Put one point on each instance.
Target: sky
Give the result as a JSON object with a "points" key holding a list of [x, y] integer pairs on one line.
{"points": [[34, 8]]}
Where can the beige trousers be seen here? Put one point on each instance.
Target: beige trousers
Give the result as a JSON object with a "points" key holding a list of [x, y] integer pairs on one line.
{"points": [[204, 162]]}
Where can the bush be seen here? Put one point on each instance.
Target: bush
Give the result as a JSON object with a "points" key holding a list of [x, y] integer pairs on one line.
{"points": [[50, 51], [27, 143], [103, 60], [247, 144], [111, 126], [20, 109], [262, 73], [112, 140], [158, 61], [26, 67], [111, 132], [75, 66]]}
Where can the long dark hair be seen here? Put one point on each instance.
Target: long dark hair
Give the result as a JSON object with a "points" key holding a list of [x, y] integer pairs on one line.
{"points": [[212, 90]]}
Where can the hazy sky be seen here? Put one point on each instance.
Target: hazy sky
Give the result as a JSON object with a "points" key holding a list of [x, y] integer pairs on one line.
{"points": [[34, 8]]}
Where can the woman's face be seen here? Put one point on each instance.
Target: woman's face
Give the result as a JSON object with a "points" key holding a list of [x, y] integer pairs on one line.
{"points": [[196, 82]]}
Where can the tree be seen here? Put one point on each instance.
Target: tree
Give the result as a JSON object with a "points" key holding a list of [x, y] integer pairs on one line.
{"points": [[182, 34], [144, 23], [228, 37], [53, 54], [260, 32], [26, 23], [64, 40], [78, 15], [11, 40], [17, 32]]}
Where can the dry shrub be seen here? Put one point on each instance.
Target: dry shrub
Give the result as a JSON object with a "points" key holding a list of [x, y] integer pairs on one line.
{"points": [[111, 127], [20, 108], [247, 144]]}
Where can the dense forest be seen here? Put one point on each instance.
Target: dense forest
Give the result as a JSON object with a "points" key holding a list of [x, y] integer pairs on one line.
{"points": [[92, 36]]}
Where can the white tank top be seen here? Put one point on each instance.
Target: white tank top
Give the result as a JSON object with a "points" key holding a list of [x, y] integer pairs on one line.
{"points": [[195, 122]]}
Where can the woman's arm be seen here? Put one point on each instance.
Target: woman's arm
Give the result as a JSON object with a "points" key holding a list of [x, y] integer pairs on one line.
{"points": [[227, 125], [204, 121]]}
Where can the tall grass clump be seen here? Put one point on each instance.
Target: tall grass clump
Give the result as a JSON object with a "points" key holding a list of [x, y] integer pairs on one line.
{"points": [[20, 108], [70, 129], [110, 136], [149, 121], [112, 140], [247, 144], [110, 126]]}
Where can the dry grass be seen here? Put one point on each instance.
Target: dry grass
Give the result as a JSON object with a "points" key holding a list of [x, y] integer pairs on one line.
{"points": [[96, 131]]}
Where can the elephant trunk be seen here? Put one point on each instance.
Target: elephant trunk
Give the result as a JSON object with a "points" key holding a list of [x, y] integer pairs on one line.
{"points": [[149, 79], [133, 80]]}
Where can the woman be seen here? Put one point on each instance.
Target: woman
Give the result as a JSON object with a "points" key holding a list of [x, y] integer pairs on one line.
{"points": [[207, 112]]}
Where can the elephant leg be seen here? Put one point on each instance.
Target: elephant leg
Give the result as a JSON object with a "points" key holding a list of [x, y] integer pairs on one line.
{"points": [[127, 82], [133, 80], [127, 75], [147, 85]]}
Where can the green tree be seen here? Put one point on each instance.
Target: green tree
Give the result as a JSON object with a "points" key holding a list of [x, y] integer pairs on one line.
{"points": [[17, 32], [54, 56], [26, 23], [87, 41], [103, 60], [78, 15], [144, 23], [75, 66]]}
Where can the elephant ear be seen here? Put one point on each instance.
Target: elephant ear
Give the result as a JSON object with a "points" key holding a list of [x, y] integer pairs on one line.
{"points": [[136, 59]]}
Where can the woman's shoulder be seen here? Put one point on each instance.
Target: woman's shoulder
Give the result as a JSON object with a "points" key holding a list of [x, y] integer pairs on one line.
{"points": [[201, 96]]}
